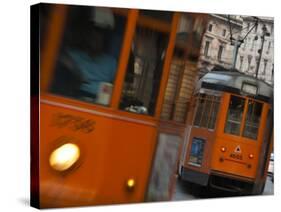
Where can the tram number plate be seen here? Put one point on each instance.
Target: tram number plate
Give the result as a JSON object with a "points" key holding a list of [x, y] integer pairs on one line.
{"points": [[72, 122], [236, 156]]}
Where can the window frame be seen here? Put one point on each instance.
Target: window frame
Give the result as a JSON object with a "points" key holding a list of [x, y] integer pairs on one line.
{"points": [[223, 32], [210, 27], [245, 123], [163, 27], [206, 48], [244, 116], [220, 51], [212, 94], [59, 15]]}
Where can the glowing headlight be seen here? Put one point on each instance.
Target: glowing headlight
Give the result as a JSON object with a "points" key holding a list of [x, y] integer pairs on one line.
{"points": [[130, 184], [64, 157], [223, 149]]}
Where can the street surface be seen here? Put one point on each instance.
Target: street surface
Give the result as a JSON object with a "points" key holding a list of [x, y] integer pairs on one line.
{"points": [[185, 191]]}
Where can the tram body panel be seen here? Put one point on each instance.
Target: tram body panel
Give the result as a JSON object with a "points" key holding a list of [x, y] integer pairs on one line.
{"points": [[236, 158], [124, 153], [241, 155]]}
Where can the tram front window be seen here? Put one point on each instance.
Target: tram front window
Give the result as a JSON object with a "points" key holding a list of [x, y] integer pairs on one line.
{"points": [[144, 71], [234, 115], [252, 119], [89, 54]]}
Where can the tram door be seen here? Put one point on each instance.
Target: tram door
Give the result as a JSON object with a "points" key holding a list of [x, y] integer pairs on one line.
{"points": [[101, 85]]}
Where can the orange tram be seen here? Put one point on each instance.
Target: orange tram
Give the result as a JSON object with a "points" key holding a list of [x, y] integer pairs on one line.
{"points": [[230, 128], [103, 137]]}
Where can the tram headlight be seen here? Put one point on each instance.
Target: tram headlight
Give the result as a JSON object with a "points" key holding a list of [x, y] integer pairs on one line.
{"points": [[223, 149], [64, 157], [130, 184]]}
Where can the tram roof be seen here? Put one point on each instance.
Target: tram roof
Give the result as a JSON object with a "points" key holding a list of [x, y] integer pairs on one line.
{"points": [[232, 81]]}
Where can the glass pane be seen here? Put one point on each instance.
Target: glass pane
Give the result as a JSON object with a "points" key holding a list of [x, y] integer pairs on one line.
{"points": [[144, 70], [200, 107], [234, 115], [206, 111], [252, 119], [88, 58], [214, 112]]}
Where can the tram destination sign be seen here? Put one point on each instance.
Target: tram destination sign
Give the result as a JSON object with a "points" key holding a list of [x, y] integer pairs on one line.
{"points": [[249, 89]]}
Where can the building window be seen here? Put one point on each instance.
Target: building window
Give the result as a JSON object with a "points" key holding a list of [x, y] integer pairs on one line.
{"points": [[206, 50], [257, 62], [241, 62], [220, 52], [248, 26], [264, 66], [253, 44], [256, 28], [249, 61], [271, 29], [207, 110], [224, 32], [210, 27], [269, 46], [245, 43]]}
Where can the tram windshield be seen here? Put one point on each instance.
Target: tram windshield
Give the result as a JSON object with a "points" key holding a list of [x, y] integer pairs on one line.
{"points": [[89, 54], [234, 115], [144, 70], [252, 119], [237, 107]]}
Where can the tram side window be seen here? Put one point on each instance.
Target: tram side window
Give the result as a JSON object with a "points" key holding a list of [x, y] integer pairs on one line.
{"points": [[252, 119], [144, 71], [234, 115], [207, 110], [89, 53], [214, 112]]}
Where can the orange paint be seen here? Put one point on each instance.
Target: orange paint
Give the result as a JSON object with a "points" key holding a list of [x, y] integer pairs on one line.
{"points": [[234, 160], [104, 156], [53, 40], [166, 66], [115, 145], [124, 57], [154, 24]]}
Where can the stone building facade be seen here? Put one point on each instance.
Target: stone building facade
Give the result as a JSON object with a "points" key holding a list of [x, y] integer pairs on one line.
{"points": [[249, 58], [216, 48]]}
